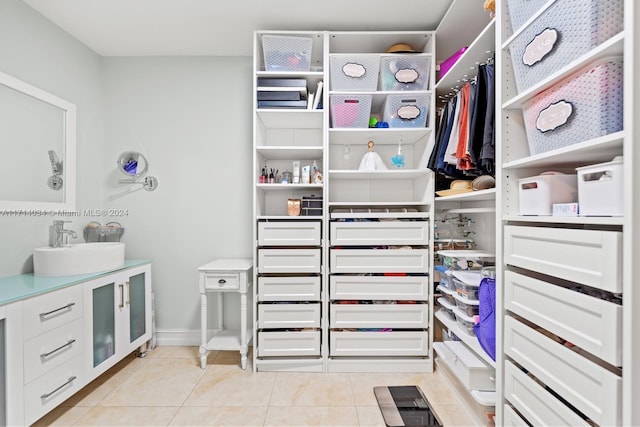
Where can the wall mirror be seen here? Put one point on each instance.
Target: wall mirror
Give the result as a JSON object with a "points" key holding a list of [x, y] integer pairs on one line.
{"points": [[38, 142]]}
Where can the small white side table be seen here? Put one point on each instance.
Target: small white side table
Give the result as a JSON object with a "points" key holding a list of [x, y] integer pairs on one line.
{"points": [[219, 276]]}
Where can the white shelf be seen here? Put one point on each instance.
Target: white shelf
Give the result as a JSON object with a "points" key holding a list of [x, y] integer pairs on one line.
{"points": [[469, 210], [290, 153], [288, 187], [390, 174], [290, 118], [470, 340], [381, 136], [293, 218], [472, 196], [592, 220]]}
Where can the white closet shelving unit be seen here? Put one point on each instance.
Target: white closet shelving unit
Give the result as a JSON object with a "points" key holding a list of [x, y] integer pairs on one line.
{"points": [[568, 326]]}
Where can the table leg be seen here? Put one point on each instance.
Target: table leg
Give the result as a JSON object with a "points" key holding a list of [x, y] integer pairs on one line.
{"points": [[203, 330], [243, 330]]}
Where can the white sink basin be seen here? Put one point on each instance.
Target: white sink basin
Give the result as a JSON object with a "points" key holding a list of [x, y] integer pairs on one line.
{"points": [[79, 258]]}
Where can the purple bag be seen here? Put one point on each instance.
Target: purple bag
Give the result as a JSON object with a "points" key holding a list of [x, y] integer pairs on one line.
{"points": [[485, 329]]}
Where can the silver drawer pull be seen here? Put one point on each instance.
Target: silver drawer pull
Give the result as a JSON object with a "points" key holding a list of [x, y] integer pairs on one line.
{"points": [[71, 304], [222, 282], [69, 381], [43, 355]]}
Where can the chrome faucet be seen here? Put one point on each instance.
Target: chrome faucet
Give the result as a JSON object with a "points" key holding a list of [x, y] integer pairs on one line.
{"points": [[59, 234]]}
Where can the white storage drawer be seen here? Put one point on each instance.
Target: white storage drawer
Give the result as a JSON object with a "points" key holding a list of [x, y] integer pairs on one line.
{"points": [[379, 260], [408, 316], [591, 323], [290, 288], [289, 260], [536, 404], [289, 315], [473, 373], [589, 387], [220, 281], [290, 343], [379, 287], [379, 233], [590, 257], [52, 349], [392, 343], [289, 233], [48, 311], [512, 419]]}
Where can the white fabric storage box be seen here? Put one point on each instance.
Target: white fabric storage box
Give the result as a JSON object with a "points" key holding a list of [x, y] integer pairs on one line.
{"points": [[472, 371], [537, 194], [351, 72], [350, 111], [521, 10], [600, 189], [409, 71], [562, 33], [391, 343], [286, 53], [408, 110], [348, 287], [586, 105]]}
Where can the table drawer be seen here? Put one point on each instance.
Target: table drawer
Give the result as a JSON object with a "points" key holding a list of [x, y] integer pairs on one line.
{"points": [[290, 288], [290, 343], [408, 316], [48, 311], [289, 260], [52, 349], [379, 287], [590, 257], [289, 315], [472, 372], [379, 233], [589, 387], [394, 343], [379, 260], [214, 281], [289, 233], [535, 403], [590, 323]]}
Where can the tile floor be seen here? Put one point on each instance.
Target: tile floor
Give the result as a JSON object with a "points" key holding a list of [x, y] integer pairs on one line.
{"points": [[168, 388]]}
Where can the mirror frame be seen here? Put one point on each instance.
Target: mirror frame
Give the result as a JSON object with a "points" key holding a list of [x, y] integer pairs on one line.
{"points": [[69, 175]]}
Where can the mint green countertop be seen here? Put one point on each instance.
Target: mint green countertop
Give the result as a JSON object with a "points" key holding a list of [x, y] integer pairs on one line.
{"points": [[15, 288]]}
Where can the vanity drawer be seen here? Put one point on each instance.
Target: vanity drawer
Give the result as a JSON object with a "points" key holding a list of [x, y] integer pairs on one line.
{"points": [[289, 260], [379, 260], [289, 315], [590, 323], [379, 233], [472, 372], [589, 387], [379, 287], [535, 403], [393, 343], [212, 280], [408, 316], [52, 349], [48, 311], [290, 288], [289, 233], [289, 343], [590, 257]]}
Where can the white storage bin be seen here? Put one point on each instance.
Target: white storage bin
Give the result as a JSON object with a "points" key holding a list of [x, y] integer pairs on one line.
{"points": [[466, 323], [350, 111], [354, 72], [288, 343], [467, 283], [406, 110], [600, 189], [472, 371], [407, 316], [286, 53], [405, 72], [562, 33], [346, 287], [584, 106], [537, 194], [521, 10], [392, 343]]}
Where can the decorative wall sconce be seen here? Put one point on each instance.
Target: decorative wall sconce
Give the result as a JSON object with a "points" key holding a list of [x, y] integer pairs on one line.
{"points": [[135, 166]]}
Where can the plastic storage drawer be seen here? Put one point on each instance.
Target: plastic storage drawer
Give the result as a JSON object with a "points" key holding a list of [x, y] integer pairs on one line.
{"points": [[286, 53], [405, 72], [288, 343], [467, 306], [586, 105], [466, 323], [406, 110], [407, 316], [467, 283], [289, 288], [350, 111], [408, 288], [392, 343], [379, 233], [537, 194], [600, 189], [472, 371], [561, 34], [354, 72]]}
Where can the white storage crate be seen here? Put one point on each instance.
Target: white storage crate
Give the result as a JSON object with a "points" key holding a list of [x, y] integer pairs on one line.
{"points": [[584, 106], [405, 72], [351, 72], [286, 53], [521, 10], [472, 371], [537, 194], [406, 110], [600, 189], [562, 33], [350, 111]]}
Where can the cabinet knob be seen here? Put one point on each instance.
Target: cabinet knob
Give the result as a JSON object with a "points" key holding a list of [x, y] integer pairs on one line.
{"points": [[221, 282]]}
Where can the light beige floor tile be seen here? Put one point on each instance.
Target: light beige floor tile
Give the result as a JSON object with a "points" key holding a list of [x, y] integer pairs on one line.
{"points": [[62, 416], [159, 382], [127, 416], [363, 384], [311, 416], [452, 416], [166, 352], [312, 389], [437, 390], [220, 416], [370, 416], [224, 385]]}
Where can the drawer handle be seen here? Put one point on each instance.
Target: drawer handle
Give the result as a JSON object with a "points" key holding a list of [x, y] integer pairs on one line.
{"points": [[69, 381], [121, 304], [71, 304], [222, 282], [43, 355]]}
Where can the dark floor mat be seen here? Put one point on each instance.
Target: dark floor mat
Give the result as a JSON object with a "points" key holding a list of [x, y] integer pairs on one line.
{"points": [[405, 406]]}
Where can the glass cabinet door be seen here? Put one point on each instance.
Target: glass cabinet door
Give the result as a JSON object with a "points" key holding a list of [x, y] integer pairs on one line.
{"points": [[137, 306], [104, 323], [3, 381]]}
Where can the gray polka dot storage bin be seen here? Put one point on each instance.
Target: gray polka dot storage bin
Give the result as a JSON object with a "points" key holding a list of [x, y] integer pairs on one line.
{"points": [[409, 71], [286, 53], [520, 11], [406, 110], [351, 72]]}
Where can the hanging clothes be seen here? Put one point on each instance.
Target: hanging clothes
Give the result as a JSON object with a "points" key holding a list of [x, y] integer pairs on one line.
{"points": [[487, 153]]}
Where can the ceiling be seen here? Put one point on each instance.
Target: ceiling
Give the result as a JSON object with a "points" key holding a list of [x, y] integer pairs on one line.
{"points": [[224, 28]]}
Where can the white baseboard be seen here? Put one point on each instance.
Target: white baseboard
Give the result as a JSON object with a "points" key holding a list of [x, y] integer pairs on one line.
{"points": [[178, 337]]}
